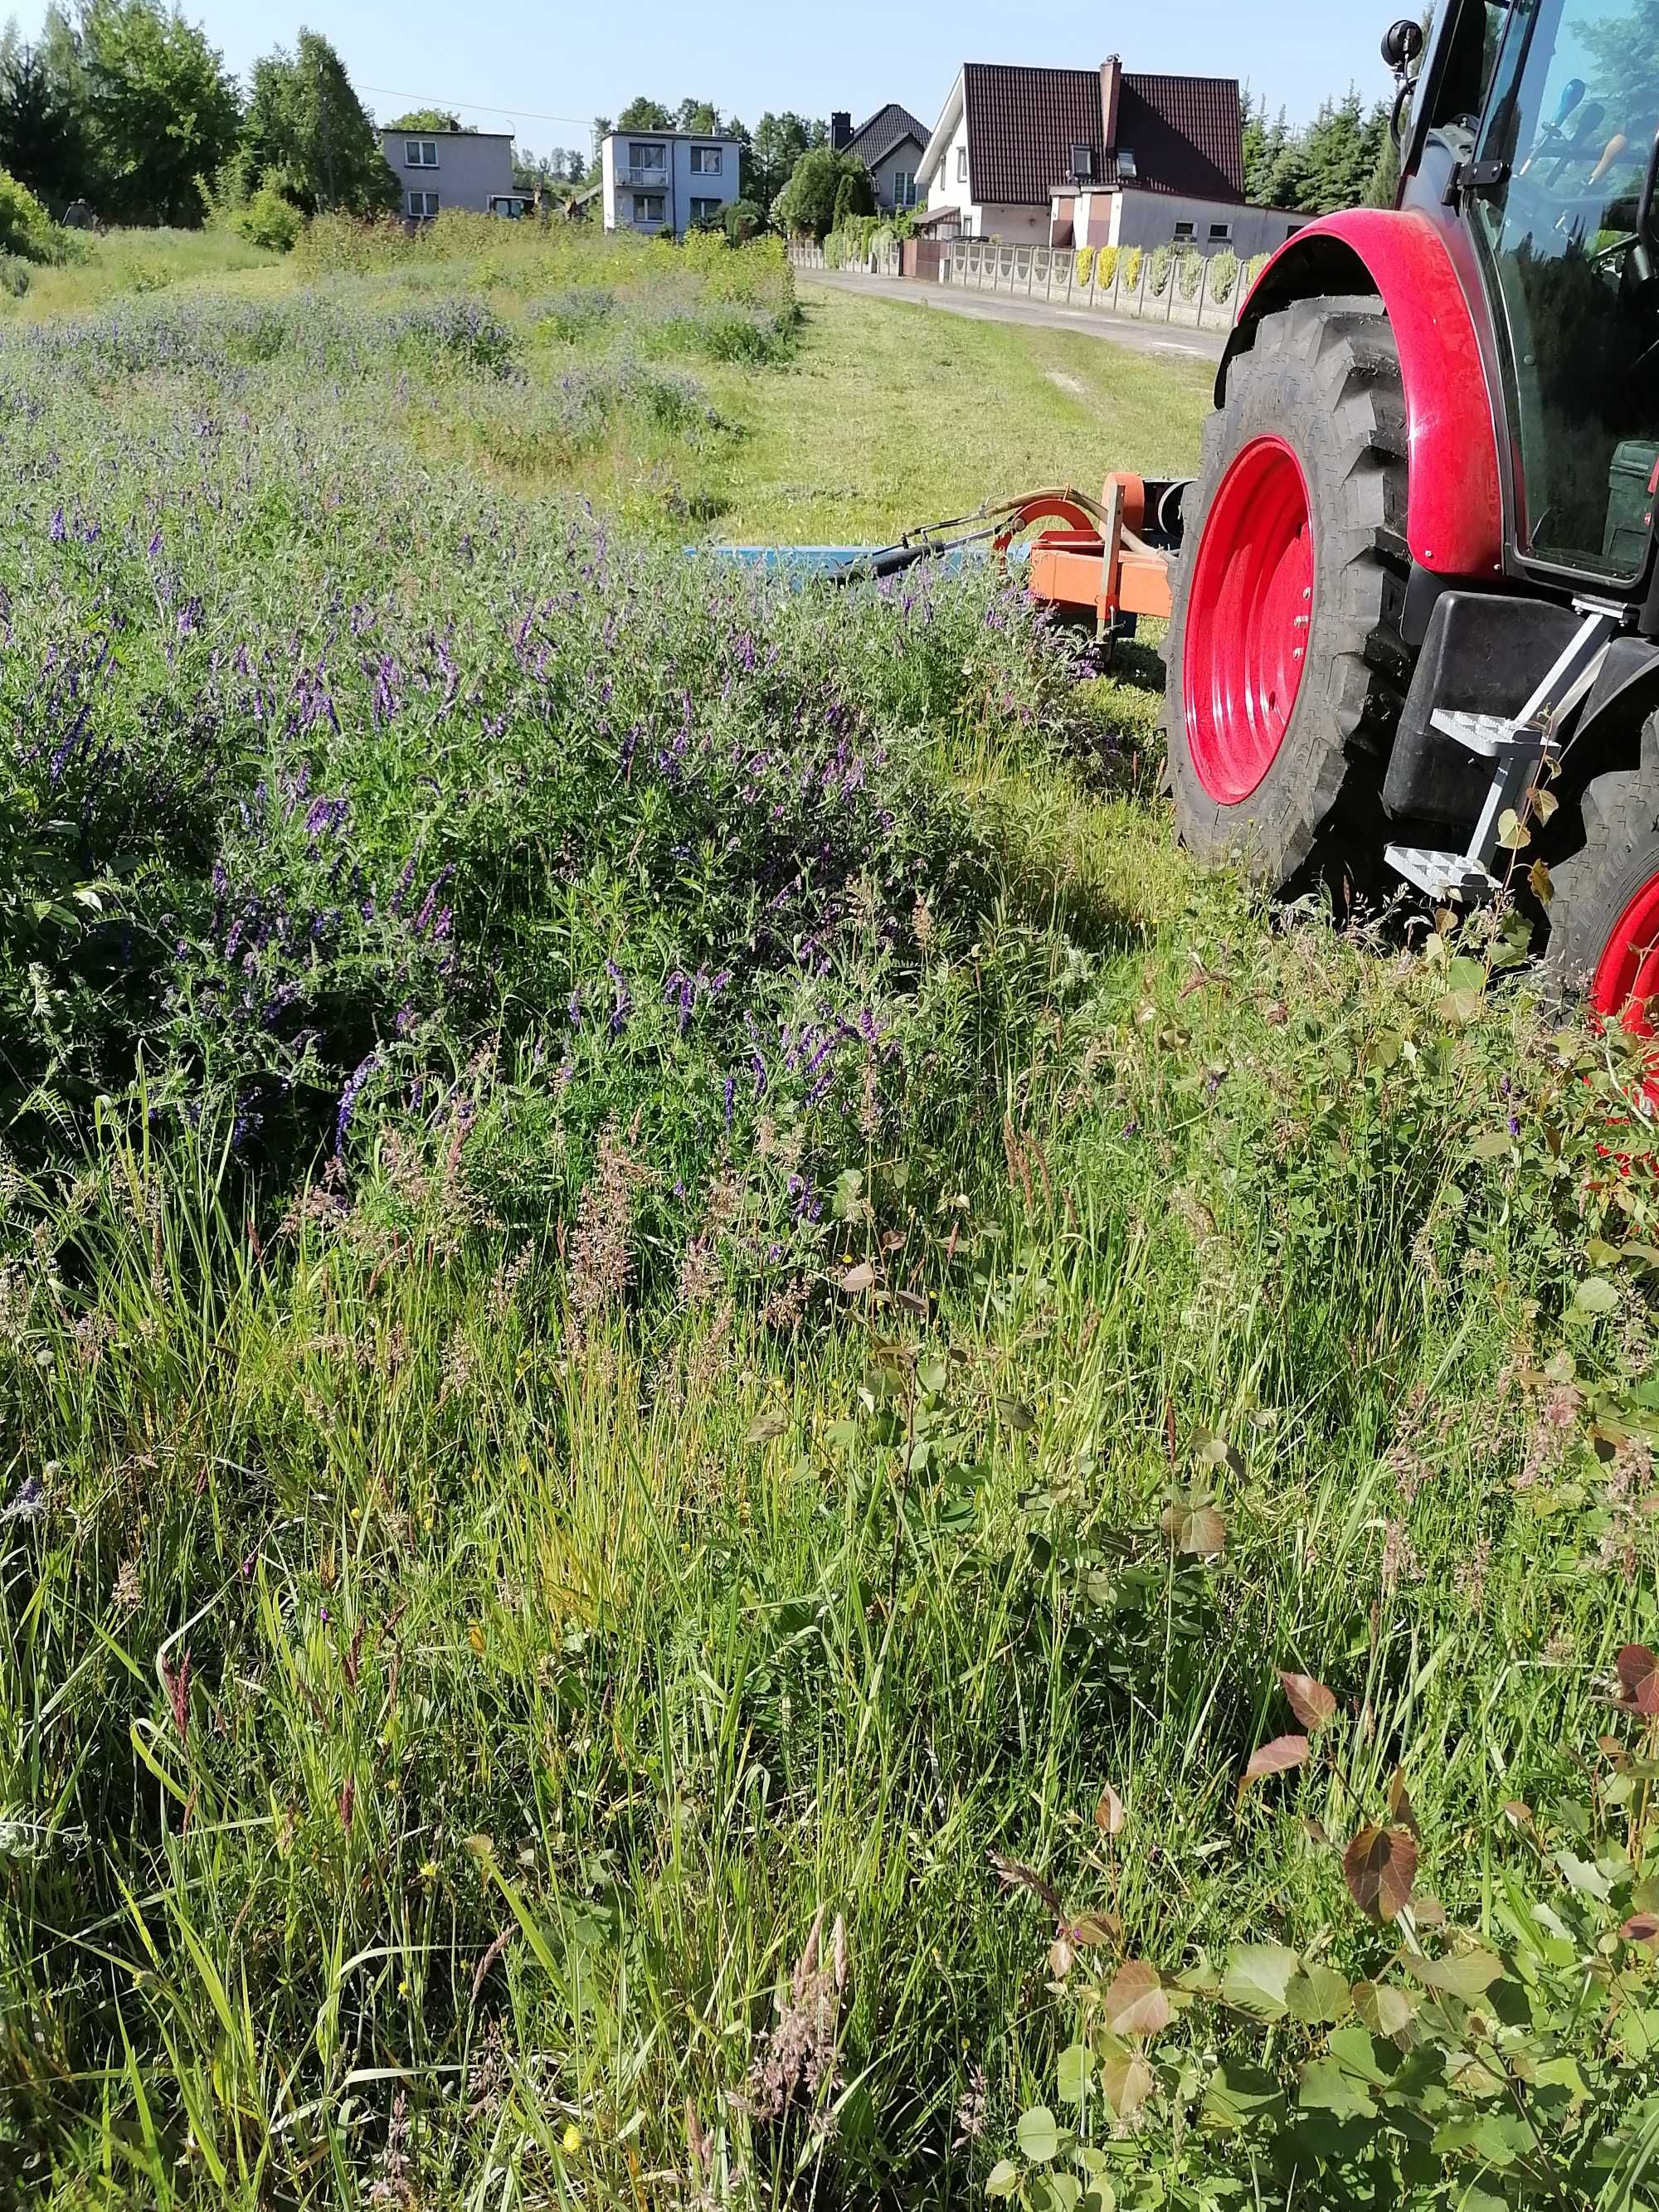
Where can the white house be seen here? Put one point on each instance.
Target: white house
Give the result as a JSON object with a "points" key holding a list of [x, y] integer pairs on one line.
{"points": [[453, 169], [662, 182], [1095, 157]]}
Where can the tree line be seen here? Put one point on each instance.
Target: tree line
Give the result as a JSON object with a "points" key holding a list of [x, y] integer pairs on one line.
{"points": [[127, 107], [1344, 158]]}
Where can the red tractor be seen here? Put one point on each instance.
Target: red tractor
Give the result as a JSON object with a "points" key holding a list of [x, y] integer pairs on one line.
{"points": [[1418, 581]]}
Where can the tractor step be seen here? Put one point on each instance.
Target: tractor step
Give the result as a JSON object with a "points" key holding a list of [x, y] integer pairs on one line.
{"points": [[1518, 746], [1442, 875], [1487, 736]]}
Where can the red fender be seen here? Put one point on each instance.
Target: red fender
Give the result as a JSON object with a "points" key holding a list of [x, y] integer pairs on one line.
{"points": [[1455, 521]]}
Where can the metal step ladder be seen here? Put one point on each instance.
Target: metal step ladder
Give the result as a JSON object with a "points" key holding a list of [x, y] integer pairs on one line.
{"points": [[1517, 749]]}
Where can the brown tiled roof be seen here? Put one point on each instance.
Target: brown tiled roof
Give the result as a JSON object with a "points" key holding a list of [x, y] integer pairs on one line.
{"points": [[1187, 133], [890, 126]]}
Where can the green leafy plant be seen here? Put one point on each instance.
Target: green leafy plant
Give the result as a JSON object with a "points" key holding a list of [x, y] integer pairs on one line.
{"points": [[1509, 2063]]}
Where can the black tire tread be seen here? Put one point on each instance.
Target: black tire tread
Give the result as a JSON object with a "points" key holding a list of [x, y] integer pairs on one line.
{"points": [[1333, 359]]}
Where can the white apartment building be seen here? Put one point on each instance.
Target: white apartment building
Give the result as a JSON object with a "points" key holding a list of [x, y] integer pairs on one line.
{"points": [[662, 182]]}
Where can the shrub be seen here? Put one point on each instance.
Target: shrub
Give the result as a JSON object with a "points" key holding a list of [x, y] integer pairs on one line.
{"points": [[25, 228], [1159, 270], [1085, 273], [270, 220], [743, 219], [1190, 269], [1106, 267], [1224, 277], [14, 274], [1134, 268]]}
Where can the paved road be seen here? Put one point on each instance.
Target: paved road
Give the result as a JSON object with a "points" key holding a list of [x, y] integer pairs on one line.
{"points": [[1152, 337]]}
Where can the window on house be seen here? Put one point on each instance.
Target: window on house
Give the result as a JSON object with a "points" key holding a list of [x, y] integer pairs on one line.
{"points": [[648, 157], [1128, 169], [422, 205], [648, 207], [962, 165], [705, 161], [420, 153], [1082, 163], [1220, 233], [1186, 230], [904, 189], [707, 211]]}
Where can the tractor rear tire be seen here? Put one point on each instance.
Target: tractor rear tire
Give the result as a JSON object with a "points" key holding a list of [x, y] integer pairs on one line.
{"points": [[1286, 668], [1603, 854]]}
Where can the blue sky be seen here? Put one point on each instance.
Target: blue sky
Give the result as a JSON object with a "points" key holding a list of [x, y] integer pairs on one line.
{"points": [[573, 61]]}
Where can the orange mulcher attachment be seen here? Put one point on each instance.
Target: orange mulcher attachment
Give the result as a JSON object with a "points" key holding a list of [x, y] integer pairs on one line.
{"points": [[1105, 559]]}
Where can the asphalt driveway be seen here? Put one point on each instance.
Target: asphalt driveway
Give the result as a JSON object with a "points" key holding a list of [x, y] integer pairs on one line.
{"points": [[1150, 337]]}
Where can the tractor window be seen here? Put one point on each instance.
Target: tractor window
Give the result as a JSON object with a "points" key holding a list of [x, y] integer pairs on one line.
{"points": [[1464, 71], [1563, 152]]}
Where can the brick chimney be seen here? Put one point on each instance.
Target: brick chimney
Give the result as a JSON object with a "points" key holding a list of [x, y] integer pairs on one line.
{"points": [[1111, 92], [841, 129]]}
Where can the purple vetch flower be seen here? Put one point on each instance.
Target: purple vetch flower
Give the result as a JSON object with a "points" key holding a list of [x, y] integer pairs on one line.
{"points": [[58, 529], [349, 1096], [1514, 1125], [731, 1097], [574, 1007], [624, 1006], [190, 618]]}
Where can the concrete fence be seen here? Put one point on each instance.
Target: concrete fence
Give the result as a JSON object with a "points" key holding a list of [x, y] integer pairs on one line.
{"points": [[1191, 290]]}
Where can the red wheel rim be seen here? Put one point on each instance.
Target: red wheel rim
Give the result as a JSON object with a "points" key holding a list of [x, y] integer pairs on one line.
{"points": [[1627, 977], [1625, 989], [1249, 614]]}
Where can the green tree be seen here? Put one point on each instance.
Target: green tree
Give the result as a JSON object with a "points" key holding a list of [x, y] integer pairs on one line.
{"points": [[306, 132], [807, 203], [1265, 145], [42, 141], [855, 195], [777, 145], [698, 117], [643, 114], [429, 119], [161, 109]]}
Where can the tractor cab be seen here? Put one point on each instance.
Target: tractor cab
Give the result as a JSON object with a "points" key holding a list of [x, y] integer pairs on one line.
{"points": [[1539, 130], [1414, 626]]}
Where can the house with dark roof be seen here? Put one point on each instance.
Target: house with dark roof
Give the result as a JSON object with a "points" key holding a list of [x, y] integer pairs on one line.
{"points": [[1095, 157], [889, 145]]}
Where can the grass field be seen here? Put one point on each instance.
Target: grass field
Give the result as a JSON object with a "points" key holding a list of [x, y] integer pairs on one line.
{"points": [[689, 1329]]}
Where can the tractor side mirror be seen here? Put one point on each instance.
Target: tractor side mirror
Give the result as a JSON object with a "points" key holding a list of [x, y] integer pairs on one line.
{"points": [[1402, 43]]}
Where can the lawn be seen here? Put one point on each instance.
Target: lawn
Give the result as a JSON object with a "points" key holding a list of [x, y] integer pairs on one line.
{"points": [[892, 416], [743, 1460]]}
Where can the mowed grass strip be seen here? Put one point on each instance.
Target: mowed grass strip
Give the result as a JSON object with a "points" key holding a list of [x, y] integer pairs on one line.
{"points": [[894, 414]]}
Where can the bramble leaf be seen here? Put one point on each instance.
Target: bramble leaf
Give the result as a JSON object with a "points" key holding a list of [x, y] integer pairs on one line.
{"points": [[1460, 1974], [1314, 1705], [1379, 1867], [1137, 2003], [1127, 2080], [1384, 2007], [1038, 2133], [1071, 2074], [1257, 1979], [1639, 1680], [1318, 1996], [1284, 1753]]}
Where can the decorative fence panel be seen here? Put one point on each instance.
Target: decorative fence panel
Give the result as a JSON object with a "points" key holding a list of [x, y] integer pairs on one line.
{"points": [[1192, 290]]}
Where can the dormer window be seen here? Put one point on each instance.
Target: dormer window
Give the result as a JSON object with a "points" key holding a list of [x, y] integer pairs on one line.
{"points": [[1128, 169], [1083, 163]]}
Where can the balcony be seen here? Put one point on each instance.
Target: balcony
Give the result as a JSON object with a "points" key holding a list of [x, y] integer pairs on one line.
{"points": [[650, 180]]}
